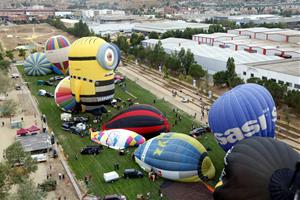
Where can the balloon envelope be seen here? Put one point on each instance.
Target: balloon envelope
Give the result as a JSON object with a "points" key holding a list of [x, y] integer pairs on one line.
{"points": [[37, 64], [259, 168], [245, 111], [56, 50], [63, 96], [175, 156], [117, 138], [143, 119]]}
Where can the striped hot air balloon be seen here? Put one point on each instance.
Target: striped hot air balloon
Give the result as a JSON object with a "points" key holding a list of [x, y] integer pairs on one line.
{"points": [[63, 96], [142, 119], [56, 50], [37, 64], [175, 156], [117, 138]]}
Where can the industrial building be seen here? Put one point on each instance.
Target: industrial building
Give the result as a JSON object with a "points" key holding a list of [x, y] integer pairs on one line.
{"points": [[212, 58], [281, 71], [271, 42], [164, 26]]}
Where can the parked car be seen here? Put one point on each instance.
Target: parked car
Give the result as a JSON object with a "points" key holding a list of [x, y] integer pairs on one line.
{"points": [[48, 94], [185, 100], [95, 149], [58, 78], [132, 173], [198, 131], [75, 130], [114, 197], [67, 125], [111, 176], [80, 119], [48, 83]]}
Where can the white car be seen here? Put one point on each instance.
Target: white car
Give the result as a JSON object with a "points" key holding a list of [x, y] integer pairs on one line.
{"points": [[111, 176], [81, 126], [185, 100]]}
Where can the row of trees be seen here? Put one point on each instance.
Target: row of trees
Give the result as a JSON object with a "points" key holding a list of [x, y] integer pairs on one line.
{"points": [[187, 33], [80, 29], [280, 92]]}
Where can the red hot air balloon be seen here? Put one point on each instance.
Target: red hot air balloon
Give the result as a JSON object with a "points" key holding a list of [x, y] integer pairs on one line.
{"points": [[143, 119]]}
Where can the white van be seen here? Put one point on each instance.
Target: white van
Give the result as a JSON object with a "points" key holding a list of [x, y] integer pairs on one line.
{"points": [[111, 176]]}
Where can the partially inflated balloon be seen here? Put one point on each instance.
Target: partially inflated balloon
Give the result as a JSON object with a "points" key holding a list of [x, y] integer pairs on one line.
{"points": [[176, 157], [261, 169], [37, 64], [117, 138], [245, 111], [63, 96], [142, 119], [56, 50]]}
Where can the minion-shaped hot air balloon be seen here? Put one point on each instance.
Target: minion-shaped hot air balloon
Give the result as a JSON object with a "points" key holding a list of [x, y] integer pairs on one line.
{"points": [[92, 62]]}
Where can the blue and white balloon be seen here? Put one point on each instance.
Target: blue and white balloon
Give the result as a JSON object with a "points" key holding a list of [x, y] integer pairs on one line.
{"points": [[245, 111]]}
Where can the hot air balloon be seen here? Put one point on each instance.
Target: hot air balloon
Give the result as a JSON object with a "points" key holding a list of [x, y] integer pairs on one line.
{"points": [[175, 156], [92, 64], [142, 119], [117, 138], [37, 64], [260, 168], [63, 96], [56, 50], [245, 111]]}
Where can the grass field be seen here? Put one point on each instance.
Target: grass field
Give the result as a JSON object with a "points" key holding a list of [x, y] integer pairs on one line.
{"points": [[104, 162]]}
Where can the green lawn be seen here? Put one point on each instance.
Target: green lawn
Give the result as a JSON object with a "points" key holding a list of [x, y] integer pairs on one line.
{"points": [[104, 162]]}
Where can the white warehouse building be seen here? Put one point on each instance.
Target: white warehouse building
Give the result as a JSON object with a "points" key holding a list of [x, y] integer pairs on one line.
{"points": [[213, 59], [281, 71], [248, 65]]}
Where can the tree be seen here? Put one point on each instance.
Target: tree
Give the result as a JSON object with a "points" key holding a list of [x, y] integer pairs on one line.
{"points": [[20, 162], [173, 63], [1, 56], [231, 75], [22, 53], [196, 71], [153, 35], [80, 29], [4, 181], [220, 78], [5, 83], [4, 65], [188, 60], [27, 190], [136, 39], [8, 108], [9, 54], [122, 43], [157, 55], [33, 51]]}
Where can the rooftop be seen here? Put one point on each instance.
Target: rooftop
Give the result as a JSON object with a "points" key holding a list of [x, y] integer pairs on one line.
{"points": [[266, 44], [285, 32], [164, 26], [259, 29], [286, 66], [216, 53], [35, 142], [216, 35]]}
